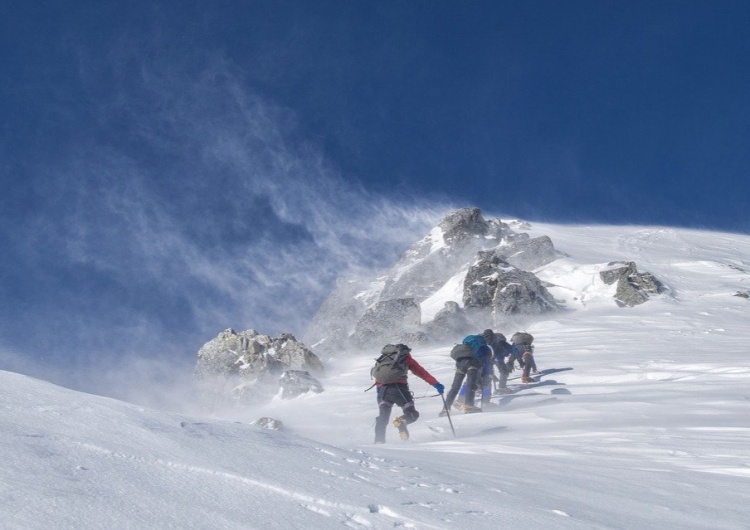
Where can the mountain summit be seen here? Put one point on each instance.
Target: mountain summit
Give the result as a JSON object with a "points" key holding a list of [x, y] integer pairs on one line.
{"points": [[467, 273]]}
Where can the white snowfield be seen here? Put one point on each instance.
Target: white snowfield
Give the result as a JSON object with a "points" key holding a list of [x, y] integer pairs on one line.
{"points": [[644, 424]]}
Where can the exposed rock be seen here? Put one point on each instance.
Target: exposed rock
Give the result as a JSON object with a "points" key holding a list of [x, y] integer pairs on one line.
{"points": [[449, 322], [494, 283], [633, 287], [528, 254], [429, 263], [245, 367], [268, 423], [294, 354], [742, 294], [396, 320], [463, 224], [296, 382]]}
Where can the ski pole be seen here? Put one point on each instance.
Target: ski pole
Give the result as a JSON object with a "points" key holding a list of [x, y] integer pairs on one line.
{"points": [[447, 413]]}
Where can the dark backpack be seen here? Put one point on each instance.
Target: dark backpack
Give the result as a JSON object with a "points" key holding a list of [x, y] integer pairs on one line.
{"points": [[461, 351], [391, 366], [523, 340]]}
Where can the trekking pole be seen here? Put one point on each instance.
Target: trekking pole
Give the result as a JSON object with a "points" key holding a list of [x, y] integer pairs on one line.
{"points": [[447, 413]]}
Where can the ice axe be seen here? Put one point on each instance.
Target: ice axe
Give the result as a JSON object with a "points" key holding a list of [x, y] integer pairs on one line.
{"points": [[448, 414]]}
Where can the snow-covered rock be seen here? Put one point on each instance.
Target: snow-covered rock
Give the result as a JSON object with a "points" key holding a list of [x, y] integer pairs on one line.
{"points": [[268, 423], [397, 319], [449, 323], [494, 283], [246, 367], [297, 382], [633, 287]]}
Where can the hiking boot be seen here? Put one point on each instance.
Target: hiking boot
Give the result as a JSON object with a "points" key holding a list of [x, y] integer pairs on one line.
{"points": [[505, 390], [526, 380], [470, 409], [443, 412], [400, 424]]}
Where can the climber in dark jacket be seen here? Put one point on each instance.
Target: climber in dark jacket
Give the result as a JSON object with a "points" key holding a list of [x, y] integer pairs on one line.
{"points": [[469, 368], [504, 357]]}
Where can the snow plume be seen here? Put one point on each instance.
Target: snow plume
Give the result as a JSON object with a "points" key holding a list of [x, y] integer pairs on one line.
{"points": [[188, 204]]}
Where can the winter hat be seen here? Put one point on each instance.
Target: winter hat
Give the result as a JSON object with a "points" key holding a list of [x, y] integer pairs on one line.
{"points": [[488, 335]]}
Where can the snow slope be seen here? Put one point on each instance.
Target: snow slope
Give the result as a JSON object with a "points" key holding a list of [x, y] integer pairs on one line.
{"points": [[644, 424]]}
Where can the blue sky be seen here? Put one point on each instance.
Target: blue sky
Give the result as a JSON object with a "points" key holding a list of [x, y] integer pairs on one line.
{"points": [[170, 169]]}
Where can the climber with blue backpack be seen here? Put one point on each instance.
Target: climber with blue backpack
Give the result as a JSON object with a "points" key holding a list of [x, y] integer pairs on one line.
{"points": [[500, 349], [470, 357]]}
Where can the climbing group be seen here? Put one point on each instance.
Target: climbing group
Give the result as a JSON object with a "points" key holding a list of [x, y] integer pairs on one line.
{"points": [[476, 358]]}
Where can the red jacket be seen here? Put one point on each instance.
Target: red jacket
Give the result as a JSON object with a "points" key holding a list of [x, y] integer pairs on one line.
{"points": [[416, 369]]}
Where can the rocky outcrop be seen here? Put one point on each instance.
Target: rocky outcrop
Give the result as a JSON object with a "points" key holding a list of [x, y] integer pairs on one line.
{"points": [[268, 423], [529, 254], [467, 224], [449, 323], [246, 367], [395, 320], [297, 382], [430, 262], [633, 287], [494, 283], [356, 312]]}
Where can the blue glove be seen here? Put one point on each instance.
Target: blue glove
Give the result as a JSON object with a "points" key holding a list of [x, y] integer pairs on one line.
{"points": [[440, 388]]}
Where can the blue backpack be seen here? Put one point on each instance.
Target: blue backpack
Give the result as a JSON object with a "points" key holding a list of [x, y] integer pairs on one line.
{"points": [[478, 345]]}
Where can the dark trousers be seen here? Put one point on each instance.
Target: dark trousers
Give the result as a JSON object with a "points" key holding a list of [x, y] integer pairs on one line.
{"points": [[504, 369], [389, 395], [528, 364], [468, 368]]}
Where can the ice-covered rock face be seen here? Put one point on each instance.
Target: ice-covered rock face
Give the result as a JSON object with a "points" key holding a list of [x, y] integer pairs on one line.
{"points": [[246, 366]]}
